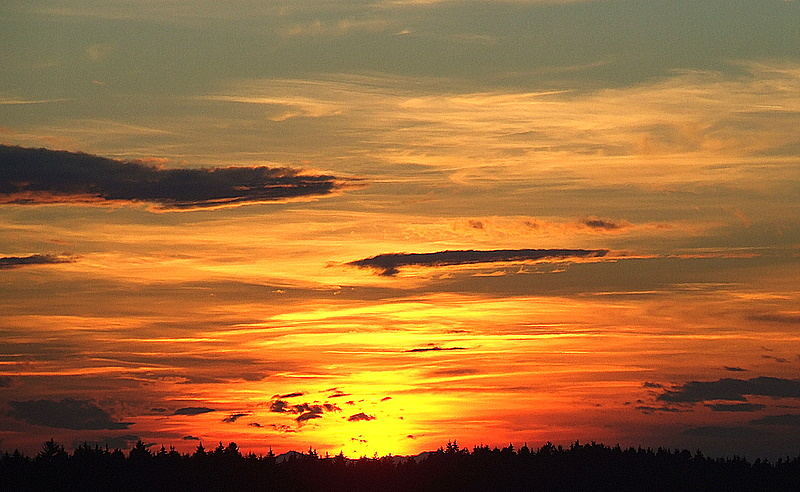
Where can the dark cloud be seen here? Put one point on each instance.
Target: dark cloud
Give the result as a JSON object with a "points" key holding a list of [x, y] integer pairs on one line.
{"points": [[648, 384], [434, 349], [9, 262], [193, 410], [736, 407], [734, 369], [65, 414], [603, 224], [158, 410], [282, 428], [732, 389], [308, 416], [388, 264], [786, 419], [338, 394], [386, 398], [289, 395], [282, 406], [190, 438], [360, 416], [234, 417], [650, 409], [255, 424], [5, 381], [30, 176]]}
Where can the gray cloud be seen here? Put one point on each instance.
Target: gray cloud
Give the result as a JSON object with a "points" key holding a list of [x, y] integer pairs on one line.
{"points": [[65, 414], [388, 264], [734, 369], [650, 409], [733, 389], [786, 419], [234, 417], [736, 407], [9, 262], [359, 417], [435, 348], [289, 395], [308, 416], [193, 410], [190, 438], [30, 176], [603, 224]]}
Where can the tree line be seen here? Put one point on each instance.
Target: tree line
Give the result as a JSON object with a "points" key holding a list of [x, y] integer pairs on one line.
{"points": [[580, 466]]}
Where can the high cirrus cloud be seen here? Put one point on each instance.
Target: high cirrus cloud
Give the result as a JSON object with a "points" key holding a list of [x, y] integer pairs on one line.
{"points": [[32, 176], [388, 264], [65, 414], [9, 262]]}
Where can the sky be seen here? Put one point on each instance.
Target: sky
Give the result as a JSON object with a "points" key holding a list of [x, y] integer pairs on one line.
{"points": [[376, 226]]}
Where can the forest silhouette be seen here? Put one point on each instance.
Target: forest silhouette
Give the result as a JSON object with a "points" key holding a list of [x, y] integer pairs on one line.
{"points": [[591, 466]]}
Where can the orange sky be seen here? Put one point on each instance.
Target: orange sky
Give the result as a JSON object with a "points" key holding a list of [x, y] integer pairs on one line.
{"points": [[147, 291]]}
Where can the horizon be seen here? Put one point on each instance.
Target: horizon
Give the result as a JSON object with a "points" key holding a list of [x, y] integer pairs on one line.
{"points": [[379, 225]]}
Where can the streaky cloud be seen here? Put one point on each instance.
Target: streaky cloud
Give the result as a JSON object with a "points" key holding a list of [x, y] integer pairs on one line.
{"points": [[9, 262], [36, 176], [388, 264]]}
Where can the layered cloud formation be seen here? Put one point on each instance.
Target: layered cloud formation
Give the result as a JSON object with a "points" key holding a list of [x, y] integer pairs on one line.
{"points": [[31, 176], [389, 264]]}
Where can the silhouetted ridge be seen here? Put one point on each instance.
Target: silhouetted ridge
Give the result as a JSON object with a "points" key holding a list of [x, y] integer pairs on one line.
{"points": [[591, 466]]}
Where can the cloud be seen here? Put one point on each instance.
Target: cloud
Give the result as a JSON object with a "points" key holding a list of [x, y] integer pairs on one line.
{"points": [[5, 381], [736, 407], [308, 416], [254, 424], [234, 417], [732, 389], [282, 406], [360, 416], [65, 414], [777, 318], [734, 369], [9, 262], [193, 410], [648, 384], [190, 438], [388, 264], [786, 419], [603, 224], [31, 176], [290, 395], [649, 409], [780, 360], [434, 349]]}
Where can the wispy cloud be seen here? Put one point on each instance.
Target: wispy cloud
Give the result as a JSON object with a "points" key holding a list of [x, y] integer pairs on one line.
{"points": [[388, 264]]}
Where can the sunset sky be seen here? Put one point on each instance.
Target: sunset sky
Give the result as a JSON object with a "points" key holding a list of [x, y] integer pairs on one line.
{"points": [[374, 226]]}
